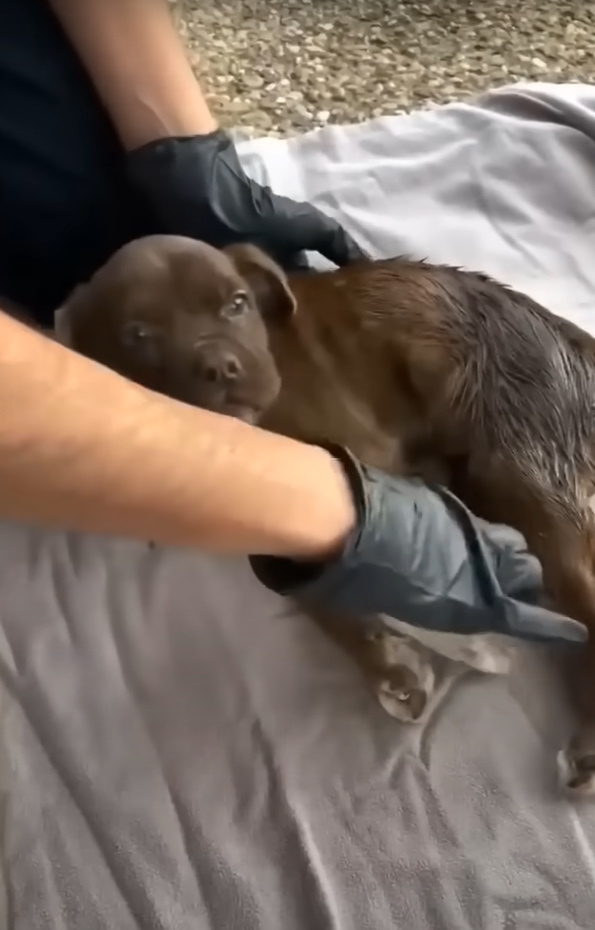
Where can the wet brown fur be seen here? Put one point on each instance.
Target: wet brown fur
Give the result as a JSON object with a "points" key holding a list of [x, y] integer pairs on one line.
{"points": [[417, 368]]}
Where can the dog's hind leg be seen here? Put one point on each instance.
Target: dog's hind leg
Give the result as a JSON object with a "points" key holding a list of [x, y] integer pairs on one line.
{"points": [[561, 533]]}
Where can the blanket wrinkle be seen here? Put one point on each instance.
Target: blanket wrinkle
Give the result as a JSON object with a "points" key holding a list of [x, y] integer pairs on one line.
{"points": [[193, 755]]}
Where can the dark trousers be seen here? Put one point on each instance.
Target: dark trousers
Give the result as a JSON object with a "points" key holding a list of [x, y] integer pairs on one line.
{"points": [[64, 203]]}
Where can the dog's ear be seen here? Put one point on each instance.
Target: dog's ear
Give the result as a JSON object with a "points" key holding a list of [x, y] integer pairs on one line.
{"points": [[266, 280], [77, 323], [63, 315]]}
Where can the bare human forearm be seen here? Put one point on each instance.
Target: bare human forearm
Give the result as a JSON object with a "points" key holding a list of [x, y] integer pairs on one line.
{"points": [[82, 448], [137, 62]]}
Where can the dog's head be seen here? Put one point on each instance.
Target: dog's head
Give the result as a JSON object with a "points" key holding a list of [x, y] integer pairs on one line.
{"points": [[186, 320]]}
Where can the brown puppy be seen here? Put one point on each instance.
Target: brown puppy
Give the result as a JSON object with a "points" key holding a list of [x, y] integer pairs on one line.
{"points": [[412, 366]]}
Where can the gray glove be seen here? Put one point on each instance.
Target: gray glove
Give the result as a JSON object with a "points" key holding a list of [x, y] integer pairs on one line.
{"points": [[420, 556]]}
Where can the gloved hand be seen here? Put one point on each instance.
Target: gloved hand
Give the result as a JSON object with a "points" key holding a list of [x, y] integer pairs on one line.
{"points": [[197, 187], [420, 556]]}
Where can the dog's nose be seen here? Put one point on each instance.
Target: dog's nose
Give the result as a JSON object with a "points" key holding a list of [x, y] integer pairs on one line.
{"points": [[219, 367]]}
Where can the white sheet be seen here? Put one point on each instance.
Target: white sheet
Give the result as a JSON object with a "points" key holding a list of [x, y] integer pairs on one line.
{"points": [[181, 754]]}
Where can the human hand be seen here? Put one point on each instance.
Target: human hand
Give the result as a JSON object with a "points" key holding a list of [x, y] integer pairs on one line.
{"points": [[198, 188], [420, 556]]}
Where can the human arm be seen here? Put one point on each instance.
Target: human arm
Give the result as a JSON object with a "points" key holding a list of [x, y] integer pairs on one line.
{"points": [[82, 448], [137, 62], [185, 168]]}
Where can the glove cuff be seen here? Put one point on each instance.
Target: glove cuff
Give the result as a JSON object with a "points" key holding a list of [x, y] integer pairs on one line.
{"points": [[284, 575], [160, 148]]}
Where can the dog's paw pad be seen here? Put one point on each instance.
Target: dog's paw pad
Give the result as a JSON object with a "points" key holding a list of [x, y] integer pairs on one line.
{"points": [[405, 704], [576, 769]]}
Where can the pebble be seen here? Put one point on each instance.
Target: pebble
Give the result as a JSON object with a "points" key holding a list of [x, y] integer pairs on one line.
{"points": [[278, 67]]}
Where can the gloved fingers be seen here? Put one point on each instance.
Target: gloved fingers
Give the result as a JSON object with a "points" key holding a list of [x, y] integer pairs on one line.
{"points": [[289, 225], [291, 261], [199, 188], [520, 576], [344, 250], [518, 571], [536, 624], [302, 227]]}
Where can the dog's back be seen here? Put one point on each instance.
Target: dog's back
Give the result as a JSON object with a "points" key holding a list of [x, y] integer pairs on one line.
{"points": [[442, 357]]}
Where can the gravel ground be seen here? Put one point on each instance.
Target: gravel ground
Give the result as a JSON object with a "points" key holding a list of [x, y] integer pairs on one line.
{"points": [[278, 67]]}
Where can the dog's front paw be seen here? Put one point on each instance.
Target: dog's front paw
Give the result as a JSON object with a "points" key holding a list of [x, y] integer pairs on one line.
{"points": [[403, 677], [401, 697], [576, 765]]}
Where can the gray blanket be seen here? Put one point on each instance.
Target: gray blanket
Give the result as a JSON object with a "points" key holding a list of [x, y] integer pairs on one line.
{"points": [[180, 751]]}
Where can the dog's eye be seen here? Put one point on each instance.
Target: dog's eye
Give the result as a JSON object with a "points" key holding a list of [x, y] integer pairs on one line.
{"points": [[135, 334], [237, 305], [143, 342]]}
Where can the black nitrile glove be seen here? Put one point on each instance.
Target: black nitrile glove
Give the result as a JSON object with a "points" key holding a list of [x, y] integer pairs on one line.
{"points": [[197, 187], [420, 556]]}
